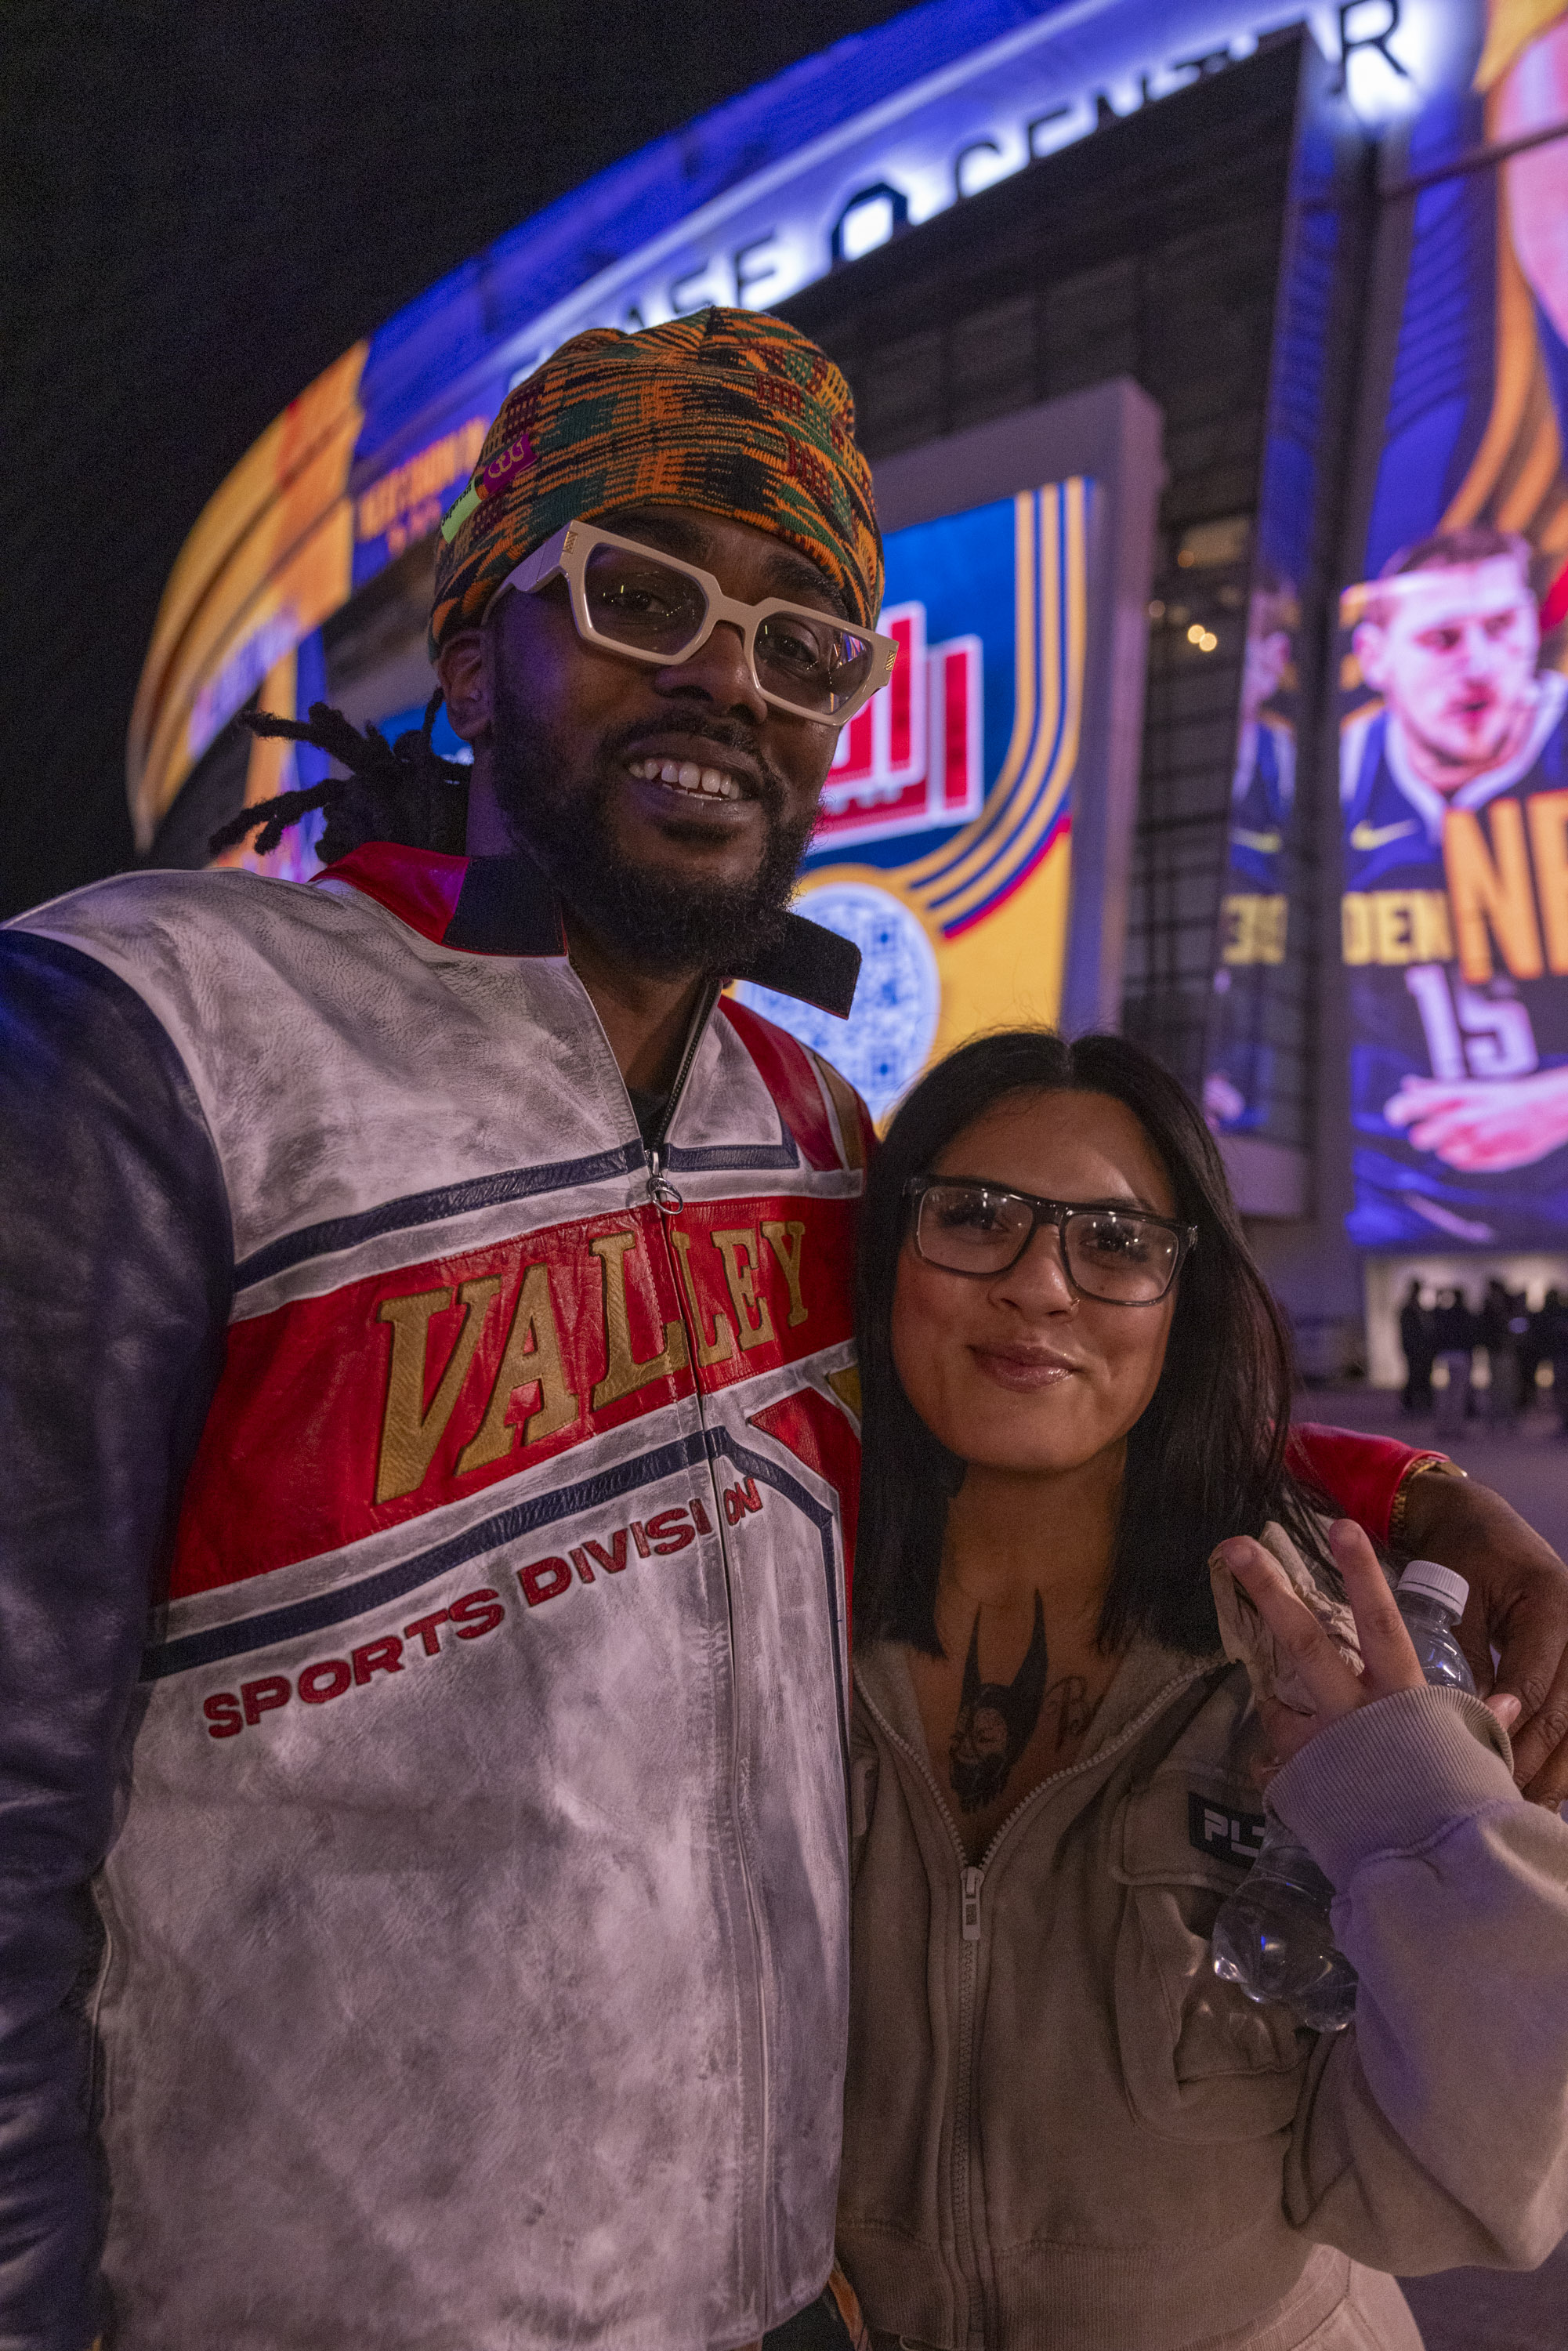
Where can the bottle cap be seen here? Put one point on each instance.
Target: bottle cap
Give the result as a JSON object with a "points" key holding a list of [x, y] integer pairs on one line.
{"points": [[1437, 1582]]}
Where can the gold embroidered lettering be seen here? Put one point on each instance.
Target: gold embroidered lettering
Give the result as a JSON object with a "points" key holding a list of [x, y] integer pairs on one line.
{"points": [[1492, 887], [410, 1434], [739, 1252], [623, 1374], [720, 1348], [530, 1361], [786, 1242]]}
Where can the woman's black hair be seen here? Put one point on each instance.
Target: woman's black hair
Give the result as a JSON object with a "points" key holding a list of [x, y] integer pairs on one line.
{"points": [[394, 792], [1207, 1458]]}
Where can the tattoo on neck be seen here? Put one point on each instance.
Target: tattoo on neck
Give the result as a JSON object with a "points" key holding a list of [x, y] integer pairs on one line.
{"points": [[997, 1720]]}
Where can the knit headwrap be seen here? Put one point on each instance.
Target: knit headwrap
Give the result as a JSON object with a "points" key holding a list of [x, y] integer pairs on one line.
{"points": [[731, 411]]}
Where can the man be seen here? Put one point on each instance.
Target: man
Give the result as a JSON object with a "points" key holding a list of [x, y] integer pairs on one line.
{"points": [[436, 1927], [1420, 1350], [1554, 1344], [1454, 1337], [1454, 916], [1504, 1322]]}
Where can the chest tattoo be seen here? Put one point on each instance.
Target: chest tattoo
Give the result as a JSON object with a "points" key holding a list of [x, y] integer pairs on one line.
{"points": [[997, 1720]]}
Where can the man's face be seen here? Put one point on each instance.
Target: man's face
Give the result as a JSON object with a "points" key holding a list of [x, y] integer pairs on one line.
{"points": [[1267, 660], [1454, 654], [671, 806]]}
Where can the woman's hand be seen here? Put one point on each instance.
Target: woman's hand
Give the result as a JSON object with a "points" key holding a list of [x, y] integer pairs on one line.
{"points": [[1387, 1652]]}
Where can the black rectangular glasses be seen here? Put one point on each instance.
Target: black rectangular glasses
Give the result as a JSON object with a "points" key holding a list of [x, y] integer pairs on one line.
{"points": [[1123, 1257]]}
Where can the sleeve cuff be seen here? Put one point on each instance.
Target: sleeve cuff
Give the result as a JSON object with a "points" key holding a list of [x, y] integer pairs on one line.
{"points": [[1392, 1776], [1362, 1476]]}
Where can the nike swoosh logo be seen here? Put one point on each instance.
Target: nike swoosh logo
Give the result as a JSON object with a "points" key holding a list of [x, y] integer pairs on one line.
{"points": [[1266, 841], [1374, 836]]}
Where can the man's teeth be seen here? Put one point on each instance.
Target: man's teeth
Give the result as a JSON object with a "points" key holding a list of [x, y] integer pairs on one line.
{"points": [[707, 783]]}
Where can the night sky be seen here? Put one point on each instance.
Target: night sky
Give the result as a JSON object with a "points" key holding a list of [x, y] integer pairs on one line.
{"points": [[206, 202]]}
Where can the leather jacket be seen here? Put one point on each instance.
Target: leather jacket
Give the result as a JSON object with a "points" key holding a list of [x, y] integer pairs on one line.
{"points": [[483, 1767]]}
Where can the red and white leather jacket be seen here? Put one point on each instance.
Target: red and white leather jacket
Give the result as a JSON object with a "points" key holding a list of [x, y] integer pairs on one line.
{"points": [[475, 1904]]}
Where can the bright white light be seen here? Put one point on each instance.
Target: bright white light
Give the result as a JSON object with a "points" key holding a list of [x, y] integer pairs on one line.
{"points": [[775, 270], [869, 225], [985, 164], [1381, 36], [928, 183], [1051, 129]]}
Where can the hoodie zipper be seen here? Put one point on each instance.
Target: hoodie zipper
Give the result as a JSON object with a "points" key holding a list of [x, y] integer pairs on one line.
{"points": [[971, 1883], [666, 1197]]}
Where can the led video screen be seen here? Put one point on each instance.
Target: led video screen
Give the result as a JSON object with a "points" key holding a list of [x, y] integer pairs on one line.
{"points": [[1454, 766], [943, 845]]}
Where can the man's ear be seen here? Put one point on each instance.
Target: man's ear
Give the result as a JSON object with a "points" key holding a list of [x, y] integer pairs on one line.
{"points": [[465, 676], [1367, 642]]}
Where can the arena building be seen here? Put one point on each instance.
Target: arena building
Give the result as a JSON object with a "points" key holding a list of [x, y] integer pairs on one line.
{"points": [[1170, 331]]}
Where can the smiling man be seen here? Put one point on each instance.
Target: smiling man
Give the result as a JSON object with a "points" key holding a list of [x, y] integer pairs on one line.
{"points": [[439, 1311], [428, 1419]]}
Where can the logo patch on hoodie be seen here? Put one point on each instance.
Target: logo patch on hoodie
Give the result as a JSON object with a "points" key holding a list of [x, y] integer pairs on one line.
{"points": [[1223, 1834]]}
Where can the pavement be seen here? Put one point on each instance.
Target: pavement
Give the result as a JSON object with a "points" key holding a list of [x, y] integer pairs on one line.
{"points": [[1481, 2310], [1527, 1464]]}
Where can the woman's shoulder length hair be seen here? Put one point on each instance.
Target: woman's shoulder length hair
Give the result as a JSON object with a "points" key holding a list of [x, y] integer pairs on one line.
{"points": [[1207, 1458]]}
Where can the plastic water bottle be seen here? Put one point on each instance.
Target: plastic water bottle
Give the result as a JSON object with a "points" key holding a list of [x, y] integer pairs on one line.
{"points": [[1272, 1937], [1273, 1941], [1432, 1601]]}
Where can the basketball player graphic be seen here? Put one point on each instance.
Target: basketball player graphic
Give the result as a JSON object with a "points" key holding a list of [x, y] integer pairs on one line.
{"points": [[1254, 911], [1454, 916]]}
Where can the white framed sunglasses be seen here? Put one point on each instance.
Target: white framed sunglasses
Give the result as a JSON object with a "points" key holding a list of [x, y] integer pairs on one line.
{"points": [[634, 600]]}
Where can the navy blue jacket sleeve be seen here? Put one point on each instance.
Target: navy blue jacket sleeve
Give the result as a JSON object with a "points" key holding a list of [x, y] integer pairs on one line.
{"points": [[115, 1272]]}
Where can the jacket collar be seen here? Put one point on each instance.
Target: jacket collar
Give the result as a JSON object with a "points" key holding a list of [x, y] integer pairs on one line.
{"points": [[506, 905]]}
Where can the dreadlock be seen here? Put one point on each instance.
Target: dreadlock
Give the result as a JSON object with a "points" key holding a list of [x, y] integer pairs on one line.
{"points": [[394, 792]]}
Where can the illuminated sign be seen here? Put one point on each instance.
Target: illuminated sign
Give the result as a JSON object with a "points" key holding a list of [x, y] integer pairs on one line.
{"points": [[408, 503], [1038, 89], [839, 155], [1454, 766], [944, 846], [270, 642], [913, 758]]}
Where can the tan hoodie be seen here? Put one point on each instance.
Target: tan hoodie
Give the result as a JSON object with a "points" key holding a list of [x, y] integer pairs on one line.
{"points": [[1063, 2133]]}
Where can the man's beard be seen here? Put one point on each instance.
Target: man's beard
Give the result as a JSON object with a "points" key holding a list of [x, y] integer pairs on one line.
{"points": [[661, 923]]}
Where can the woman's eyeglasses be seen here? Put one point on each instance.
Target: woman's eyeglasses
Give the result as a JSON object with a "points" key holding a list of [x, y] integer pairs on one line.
{"points": [[635, 601], [1119, 1256]]}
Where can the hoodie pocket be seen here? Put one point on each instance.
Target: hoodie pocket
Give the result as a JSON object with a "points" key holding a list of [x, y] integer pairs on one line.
{"points": [[1199, 2061]]}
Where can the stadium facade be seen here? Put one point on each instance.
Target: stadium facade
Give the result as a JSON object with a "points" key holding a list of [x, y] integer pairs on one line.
{"points": [[1170, 330]]}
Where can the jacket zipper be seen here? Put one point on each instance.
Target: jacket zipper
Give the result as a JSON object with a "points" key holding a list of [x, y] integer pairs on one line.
{"points": [[666, 1197], [971, 1882], [656, 1150]]}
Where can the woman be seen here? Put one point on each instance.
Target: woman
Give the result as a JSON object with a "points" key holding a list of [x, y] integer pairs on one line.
{"points": [[1062, 2129]]}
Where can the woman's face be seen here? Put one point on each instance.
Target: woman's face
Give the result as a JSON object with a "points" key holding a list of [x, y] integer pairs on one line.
{"points": [[1018, 1372]]}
